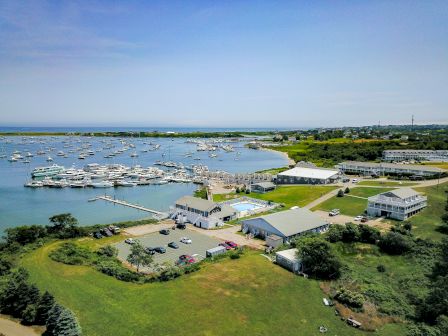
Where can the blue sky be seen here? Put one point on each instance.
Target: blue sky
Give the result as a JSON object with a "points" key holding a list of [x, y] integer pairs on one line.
{"points": [[223, 63]]}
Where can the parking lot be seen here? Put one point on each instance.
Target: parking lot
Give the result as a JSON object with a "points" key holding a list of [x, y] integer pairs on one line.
{"points": [[200, 243]]}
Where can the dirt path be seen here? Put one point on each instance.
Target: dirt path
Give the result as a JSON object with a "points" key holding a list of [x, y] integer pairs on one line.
{"points": [[11, 328]]}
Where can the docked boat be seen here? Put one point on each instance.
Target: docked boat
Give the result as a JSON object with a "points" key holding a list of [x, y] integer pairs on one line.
{"points": [[125, 184], [103, 184], [34, 184], [47, 171]]}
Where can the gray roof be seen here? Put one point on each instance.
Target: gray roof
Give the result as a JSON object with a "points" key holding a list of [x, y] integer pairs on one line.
{"points": [[292, 222], [264, 184], [206, 206], [196, 203], [402, 193]]}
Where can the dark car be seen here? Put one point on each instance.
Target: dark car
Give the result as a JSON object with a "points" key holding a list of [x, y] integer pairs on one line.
{"points": [[364, 220], [225, 245], [165, 232], [173, 245], [107, 232], [150, 250], [231, 244], [181, 226], [98, 235], [160, 249]]}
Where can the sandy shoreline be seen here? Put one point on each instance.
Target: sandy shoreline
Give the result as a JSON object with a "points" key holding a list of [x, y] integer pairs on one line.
{"points": [[291, 162]]}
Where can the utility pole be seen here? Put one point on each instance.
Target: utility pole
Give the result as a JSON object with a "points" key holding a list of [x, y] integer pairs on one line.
{"points": [[412, 123]]}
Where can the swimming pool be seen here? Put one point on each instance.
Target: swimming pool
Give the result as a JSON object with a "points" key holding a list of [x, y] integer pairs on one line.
{"points": [[245, 206]]}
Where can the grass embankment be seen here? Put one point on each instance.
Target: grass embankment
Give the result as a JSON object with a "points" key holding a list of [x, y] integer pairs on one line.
{"points": [[349, 205], [248, 296], [443, 165], [389, 293], [288, 195], [427, 223]]}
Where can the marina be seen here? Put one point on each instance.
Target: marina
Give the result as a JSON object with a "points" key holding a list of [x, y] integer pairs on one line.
{"points": [[164, 170]]}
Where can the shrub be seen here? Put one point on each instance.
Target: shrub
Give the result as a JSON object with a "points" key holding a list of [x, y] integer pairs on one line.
{"points": [[368, 234], [318, 260], [335, 232], [340, 193], [395, 243], [381, 268], [349, 298], [347, 190], [72, 254], [350, 233], [108, 251], [117, 270]]}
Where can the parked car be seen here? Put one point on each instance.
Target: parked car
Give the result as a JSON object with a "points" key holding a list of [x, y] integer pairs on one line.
{"points": [[185, 240], [129, 241], [173, 245], [160, 249], [225, 245], [345, 180], [98, 235], [355, 181], [181, 226], [358, 218], [165, 232], [106, 232], [364, 219], [186, 259], [150, 250], [334, 212], [114, 229], [231, 244]]}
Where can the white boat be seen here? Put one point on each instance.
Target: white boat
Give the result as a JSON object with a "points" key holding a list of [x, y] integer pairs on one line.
{"points": [[125, 184], [47, 171], [49, 159], [103, 184], [34, 184]]}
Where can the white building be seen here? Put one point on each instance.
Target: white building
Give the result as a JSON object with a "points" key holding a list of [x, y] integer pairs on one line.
{"points": [[381, 169], [307, 175], [288, 259], [416, 155], [398, 204], [202, 213]]}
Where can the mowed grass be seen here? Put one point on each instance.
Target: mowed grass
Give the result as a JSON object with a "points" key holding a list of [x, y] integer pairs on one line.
{"points": [[443, 165], [288, 195], [387, 183], [348, 205], [248, 296]]}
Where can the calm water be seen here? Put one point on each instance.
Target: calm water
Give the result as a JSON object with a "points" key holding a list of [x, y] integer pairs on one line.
{"points": [[20, 205]]}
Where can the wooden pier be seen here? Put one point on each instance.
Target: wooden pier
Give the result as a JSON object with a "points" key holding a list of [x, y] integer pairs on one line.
{"points": [[106, 198]]}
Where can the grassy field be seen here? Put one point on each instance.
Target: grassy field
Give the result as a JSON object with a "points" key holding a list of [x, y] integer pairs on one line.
{"points": [[248, 296], [387, 183], [443, 165], [288, 195], [351, 206], [427, 223]]}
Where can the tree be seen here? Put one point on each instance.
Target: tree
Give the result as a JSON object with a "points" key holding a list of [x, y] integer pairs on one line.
{"points": [[368, 234], [318, 260], [25, 234], [335, 232], [43, 308], [65, 225], [350, 233], [138, 257], [29, 315], [347, 190], [18, 294], [340, 193], [395, 243], [435, 303], [52, 320], [67, 324]]}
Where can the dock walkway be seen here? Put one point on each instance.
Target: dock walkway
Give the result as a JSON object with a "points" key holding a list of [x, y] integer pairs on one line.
{"points": [[131, 205]]}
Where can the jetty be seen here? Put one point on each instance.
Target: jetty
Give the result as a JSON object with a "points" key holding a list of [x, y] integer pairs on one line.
{"points": [[159, 214]]}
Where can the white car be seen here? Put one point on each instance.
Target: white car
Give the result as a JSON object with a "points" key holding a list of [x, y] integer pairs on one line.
{"points": [[185, 240], [358, 218], [129, 241], [355, 181]]}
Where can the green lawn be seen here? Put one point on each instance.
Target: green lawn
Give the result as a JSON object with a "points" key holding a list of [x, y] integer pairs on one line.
{"points": [[387, 183], [426, 223], [248, 296], [351, 206], [288, 195]]}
